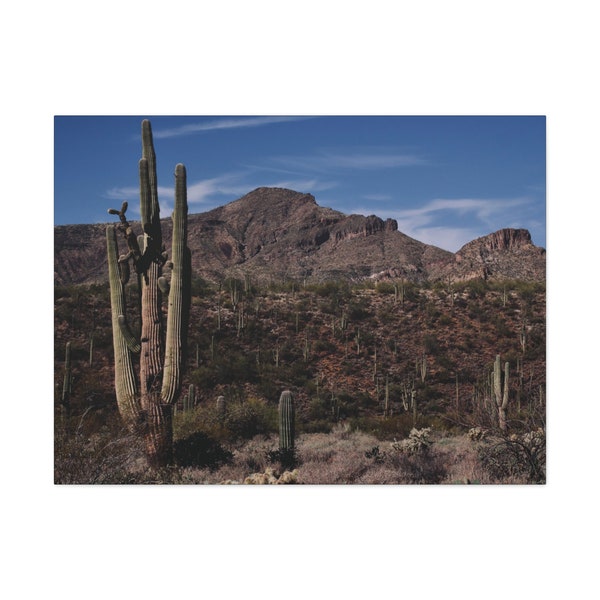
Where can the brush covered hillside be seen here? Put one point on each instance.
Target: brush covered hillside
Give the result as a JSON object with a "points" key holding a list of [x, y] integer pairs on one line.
{"points": [[392, 379]]}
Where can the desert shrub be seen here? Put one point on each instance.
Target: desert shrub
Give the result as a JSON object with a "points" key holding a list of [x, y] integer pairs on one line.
{"points": [[322, 425], [476, 288], [432, 312], [516, 459], [340, 290], [104, 457], [271, 477], [358, 310], [386, 428], [445, 320], [324, 346], [243, 419], [320, 408], [422, 468], [251, 418], [348, 405], [501, 326], [228, 366], [431, 344], [384, 287], [199, 287], [417, 441], [476, 434], [375, 455]]}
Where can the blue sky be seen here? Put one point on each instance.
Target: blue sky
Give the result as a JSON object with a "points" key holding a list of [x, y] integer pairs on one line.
{"points": [[446, 180]]}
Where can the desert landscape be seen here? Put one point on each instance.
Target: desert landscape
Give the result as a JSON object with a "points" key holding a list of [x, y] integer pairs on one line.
{"points": [[292, 343]]}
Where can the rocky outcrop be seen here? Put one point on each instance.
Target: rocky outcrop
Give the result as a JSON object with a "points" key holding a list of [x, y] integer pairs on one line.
{"points": [[501, 241], [504, 254], [359, 226]]}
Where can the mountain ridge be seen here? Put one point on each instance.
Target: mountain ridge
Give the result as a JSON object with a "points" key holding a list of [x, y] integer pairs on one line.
{"points": [[275, 233]]}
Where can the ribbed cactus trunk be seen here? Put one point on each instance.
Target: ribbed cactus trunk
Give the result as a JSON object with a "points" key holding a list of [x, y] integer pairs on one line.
{"points": [[501, 395], [286, 421], [148, 409], [65, 400], [221, 407]]}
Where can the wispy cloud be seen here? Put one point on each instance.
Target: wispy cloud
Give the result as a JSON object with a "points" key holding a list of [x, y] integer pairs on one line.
{"points": [[205, 193], [361, 159], [198, 193], [447, 238], [223, 123], [377, 197], [484, 210]]}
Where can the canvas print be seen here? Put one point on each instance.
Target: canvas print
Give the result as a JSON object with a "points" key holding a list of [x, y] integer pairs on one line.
{"points": [[300, 300]]}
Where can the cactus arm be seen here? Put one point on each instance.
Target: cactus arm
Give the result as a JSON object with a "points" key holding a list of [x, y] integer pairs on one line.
{"points": [[66, 390], [179, 286], [125, 385], [150, 210], [500, 394], [497, 381], [163, 285], [151, 359], [505, 396], [132, 343]]}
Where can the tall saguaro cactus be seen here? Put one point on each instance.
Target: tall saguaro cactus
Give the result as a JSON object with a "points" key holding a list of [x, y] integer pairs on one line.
{"points": [[146, 406]]}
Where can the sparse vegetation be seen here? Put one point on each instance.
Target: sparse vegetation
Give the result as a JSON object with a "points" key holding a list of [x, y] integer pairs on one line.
{"points": [[340, 401]]}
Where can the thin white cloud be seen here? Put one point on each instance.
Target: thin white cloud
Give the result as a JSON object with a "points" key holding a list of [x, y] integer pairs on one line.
{"points": [[486, 210], [364, 159], [224, 123], [447, 238], [303, 185], [377, 197], [204, 193]]}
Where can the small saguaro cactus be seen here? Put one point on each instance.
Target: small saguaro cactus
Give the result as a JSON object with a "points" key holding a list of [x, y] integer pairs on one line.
{"points": [[221, 406], [65, 400], [189, 400], [286, 421], [146, 407], [500, 393]]}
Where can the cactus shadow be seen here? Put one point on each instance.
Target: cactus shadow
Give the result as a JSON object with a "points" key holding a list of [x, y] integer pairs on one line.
{"points": [[200, 450]]}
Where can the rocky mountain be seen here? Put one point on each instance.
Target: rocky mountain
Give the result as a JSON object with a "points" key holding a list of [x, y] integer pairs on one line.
{"points": [[273, 233]]}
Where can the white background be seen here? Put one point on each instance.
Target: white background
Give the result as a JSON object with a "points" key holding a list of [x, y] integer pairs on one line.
{"points": [[266, 57]]}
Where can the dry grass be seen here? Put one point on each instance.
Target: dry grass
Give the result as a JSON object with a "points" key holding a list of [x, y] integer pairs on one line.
{"points": [[339, 457]]}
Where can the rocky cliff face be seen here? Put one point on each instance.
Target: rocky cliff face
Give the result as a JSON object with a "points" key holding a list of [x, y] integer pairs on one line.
{"points": [[504, 254], [276, 233]]}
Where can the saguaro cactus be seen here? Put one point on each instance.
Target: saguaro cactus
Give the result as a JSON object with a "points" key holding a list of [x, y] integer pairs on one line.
{"points": [[65, 399], [286, 422], [189, 401], [221, 407], [147, 407], [500, 394]]}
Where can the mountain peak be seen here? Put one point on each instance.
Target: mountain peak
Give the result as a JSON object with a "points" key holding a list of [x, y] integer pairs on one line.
{"points": [[280, 233], [501, 240], [276, 195], [504, 254]]}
